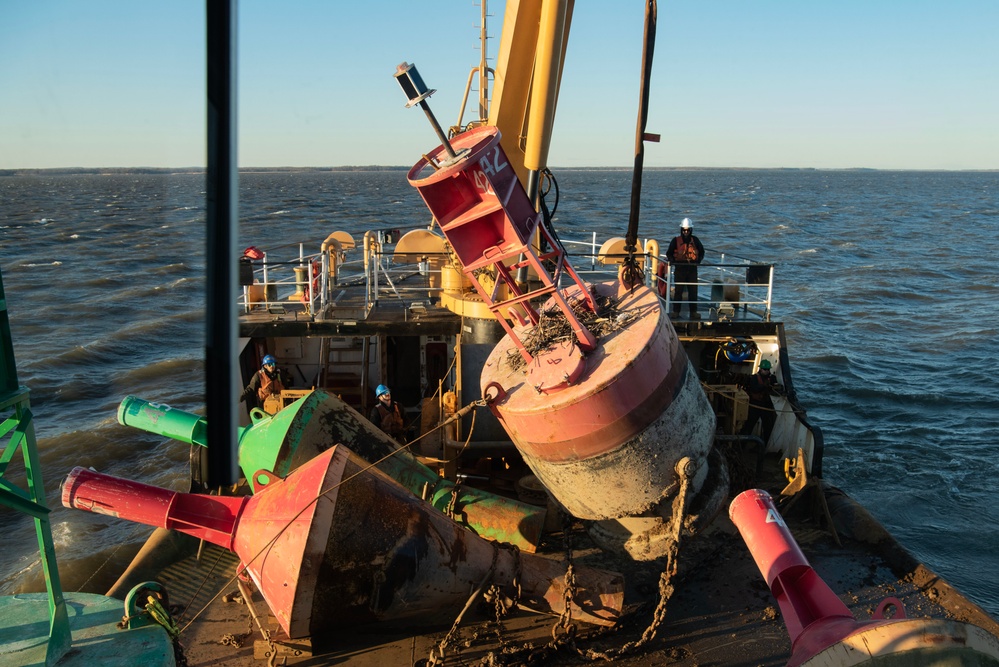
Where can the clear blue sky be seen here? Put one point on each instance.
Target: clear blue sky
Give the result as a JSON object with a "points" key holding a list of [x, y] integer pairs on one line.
{"points": [[768, 83]]}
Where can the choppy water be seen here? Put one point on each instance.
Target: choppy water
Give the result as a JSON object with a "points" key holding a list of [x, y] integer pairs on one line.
{"points": [[886, 281]]}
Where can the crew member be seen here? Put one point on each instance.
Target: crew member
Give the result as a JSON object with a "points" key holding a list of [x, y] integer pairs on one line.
{"points": [[386, 414], [760, 387], [265, 382], [685, 252]]}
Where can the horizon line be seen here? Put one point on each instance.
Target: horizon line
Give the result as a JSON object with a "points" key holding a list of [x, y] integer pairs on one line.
{"points": [[9, 171]]}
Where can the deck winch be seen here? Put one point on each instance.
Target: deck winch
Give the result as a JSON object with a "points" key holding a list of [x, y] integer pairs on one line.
{"points": [[602, 423]]}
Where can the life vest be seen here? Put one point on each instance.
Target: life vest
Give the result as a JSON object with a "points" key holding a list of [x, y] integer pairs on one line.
{"points": [[391, 420], [269, 385], [759, 389], [685, 252]]}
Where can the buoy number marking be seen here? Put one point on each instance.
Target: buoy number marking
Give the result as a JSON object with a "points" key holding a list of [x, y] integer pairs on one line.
{"points": [[482, 183], [495, 166], [773, 517]]}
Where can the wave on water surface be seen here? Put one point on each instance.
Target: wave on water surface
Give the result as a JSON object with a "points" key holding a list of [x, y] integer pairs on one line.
{"points": [[890, 330]]}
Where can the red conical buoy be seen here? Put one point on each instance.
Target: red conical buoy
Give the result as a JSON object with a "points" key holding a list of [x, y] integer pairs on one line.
{"points": [[338, 544], [823, 631]]}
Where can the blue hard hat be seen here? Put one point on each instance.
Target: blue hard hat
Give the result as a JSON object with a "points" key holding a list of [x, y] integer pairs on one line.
{"points": [[268, 360], [380, 390]]}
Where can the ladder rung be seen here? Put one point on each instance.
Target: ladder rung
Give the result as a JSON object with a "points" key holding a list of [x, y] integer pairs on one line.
{"points": [[495, 258], [480, 210], [523, 297]]}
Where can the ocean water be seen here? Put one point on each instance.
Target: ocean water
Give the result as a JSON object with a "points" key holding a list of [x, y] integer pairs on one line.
{"points": [[886, 282]]}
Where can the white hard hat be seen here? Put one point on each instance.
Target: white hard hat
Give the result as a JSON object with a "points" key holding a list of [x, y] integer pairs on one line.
{"points": [[686, 224]]}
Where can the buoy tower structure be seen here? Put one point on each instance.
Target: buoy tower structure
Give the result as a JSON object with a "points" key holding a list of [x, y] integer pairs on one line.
{"points": [[606, 422]]}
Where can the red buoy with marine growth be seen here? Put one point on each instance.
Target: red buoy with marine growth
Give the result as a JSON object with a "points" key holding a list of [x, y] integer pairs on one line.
{"points": [[602, 421]]}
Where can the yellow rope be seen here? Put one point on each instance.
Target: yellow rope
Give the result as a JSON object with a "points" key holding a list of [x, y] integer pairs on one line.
{"points": [[710, 390]]}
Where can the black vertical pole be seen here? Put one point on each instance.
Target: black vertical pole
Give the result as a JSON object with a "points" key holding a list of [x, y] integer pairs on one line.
{"points": [[631, 239], [221, 378]]}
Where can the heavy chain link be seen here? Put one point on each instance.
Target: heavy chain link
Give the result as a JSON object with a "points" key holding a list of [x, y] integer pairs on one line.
{"points": [[437, 653], [666, 589]]}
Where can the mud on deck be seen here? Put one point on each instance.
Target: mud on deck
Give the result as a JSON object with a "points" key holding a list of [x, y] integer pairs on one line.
{"points": [[721, 613]]}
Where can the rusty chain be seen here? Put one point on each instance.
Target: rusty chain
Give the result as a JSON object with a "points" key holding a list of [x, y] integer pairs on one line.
{"points": [[437, 653], [686, 470]]}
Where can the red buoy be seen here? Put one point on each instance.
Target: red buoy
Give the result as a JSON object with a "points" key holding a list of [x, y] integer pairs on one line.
{"points": [[338, 544], [823, 631], [602, 423], [607, 440]]}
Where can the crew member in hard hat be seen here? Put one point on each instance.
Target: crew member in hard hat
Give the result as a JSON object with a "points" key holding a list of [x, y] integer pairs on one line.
{"points": [[386, 414], [265, 382], [760, 387], [685, 252]]}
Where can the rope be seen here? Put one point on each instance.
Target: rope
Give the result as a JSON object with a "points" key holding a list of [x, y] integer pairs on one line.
{"points": [[738, 401], [121, 543], [457, 415]]}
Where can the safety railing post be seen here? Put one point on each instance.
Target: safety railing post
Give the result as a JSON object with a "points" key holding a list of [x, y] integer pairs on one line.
{"points": [[312, 292], [373, 275], [649, 271], [267, 284], [324, 281], [770, 292], [669, 287]]}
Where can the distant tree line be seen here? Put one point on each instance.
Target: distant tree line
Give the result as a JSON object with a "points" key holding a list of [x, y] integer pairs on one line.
{"points": [[57, 171]]}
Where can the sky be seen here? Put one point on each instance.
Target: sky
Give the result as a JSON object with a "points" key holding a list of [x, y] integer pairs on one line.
{"points": [[887, 84]]}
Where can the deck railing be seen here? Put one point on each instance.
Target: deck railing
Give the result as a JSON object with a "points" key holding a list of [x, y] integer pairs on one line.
{"points": [[729, 286]]}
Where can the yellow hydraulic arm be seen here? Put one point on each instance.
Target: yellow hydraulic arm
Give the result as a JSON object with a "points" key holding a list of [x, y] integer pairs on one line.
{"points": [[528, 73]]}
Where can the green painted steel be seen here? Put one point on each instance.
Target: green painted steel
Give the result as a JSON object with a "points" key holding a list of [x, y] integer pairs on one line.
{"points": [[318, 421], [274, 442], [15, 409], [96, 639], [270, 443], [37, 628], [163, 420]]}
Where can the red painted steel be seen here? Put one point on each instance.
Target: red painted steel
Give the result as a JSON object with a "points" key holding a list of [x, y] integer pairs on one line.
{"points": [[630, 380], [338, 544], [490, 222], [274, 533], [94, 492], [815, 617], [557, 368], [632, 398]]}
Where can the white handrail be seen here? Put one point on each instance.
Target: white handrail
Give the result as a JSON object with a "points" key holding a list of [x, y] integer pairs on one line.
{"points": [[730, 272]]}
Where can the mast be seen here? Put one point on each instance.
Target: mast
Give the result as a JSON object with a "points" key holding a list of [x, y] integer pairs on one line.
{"points": [[532, 47], [483, 67], [632, 275]]}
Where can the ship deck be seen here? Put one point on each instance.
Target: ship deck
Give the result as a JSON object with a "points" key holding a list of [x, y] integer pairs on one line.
{"points": [[390, 294], [721, 612], [351, 311]]}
